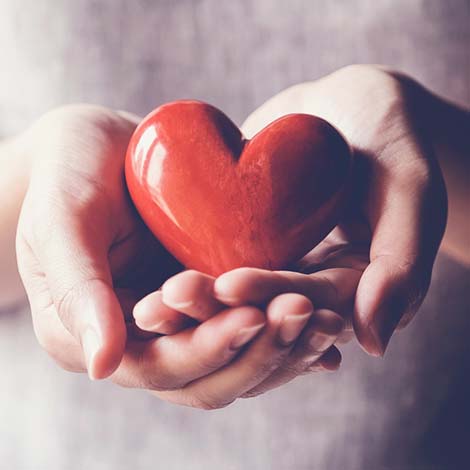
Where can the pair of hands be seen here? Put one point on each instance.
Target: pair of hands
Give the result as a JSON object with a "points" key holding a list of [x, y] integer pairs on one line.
{"points": [[92, 270]]}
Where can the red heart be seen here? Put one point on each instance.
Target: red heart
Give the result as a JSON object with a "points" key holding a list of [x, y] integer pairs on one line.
{"points": [[218, 201]]}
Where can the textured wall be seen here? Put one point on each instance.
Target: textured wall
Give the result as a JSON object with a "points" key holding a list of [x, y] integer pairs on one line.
{"points": [[408, 411]]}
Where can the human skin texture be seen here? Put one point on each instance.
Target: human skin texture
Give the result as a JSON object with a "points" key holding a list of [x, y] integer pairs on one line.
{"points": [[271, 326]]}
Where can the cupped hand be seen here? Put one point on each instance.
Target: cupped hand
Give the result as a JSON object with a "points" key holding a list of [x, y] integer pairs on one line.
{"points": [[385, 245], [308, 309], [84, 256], [295, 337], [398, 203]]}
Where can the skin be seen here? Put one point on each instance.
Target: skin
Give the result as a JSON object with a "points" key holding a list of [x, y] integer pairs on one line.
{"points": [[95, 301]]}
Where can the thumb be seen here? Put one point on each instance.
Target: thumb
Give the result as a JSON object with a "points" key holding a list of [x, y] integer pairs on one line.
{"points": [[74, 256], [407, 215]]}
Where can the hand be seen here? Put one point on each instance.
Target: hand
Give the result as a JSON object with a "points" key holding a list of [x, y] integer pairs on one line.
{"points": [[84, 256], [293, 338], [398, 206], [292, 343]]}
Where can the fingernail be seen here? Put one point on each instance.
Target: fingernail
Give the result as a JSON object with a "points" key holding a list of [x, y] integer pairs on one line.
{"points": [[380, 341], [245, 335], [381, 331], [164, 325], [91, 345], [230, 301], [291, 326], [177, 305], [320, 342]]}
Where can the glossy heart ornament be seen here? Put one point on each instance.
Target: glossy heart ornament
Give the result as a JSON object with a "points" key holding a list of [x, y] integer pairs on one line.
{"points": [[218, 201]]}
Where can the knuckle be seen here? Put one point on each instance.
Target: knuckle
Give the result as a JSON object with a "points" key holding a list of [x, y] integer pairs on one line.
{"points": [[416, 174], [66, 365], [311, 368], [157, 381], [159, 384], [45, 340], [293, 368], [261, 370], [70, 296], [256, 392], [208, 362], [56, 349], [419, 170], [45, 337], [208, 402], [75, 116], [154, 376], [64, 304], [376, 79]]}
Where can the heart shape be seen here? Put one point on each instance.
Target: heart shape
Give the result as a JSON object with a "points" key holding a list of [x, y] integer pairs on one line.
{"points": [[217, 201]]}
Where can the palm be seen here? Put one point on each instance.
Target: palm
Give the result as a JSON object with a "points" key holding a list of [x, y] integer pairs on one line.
{"points": [[139, 263], [89, 181]]}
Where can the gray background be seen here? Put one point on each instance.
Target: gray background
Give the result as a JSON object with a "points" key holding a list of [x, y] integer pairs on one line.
{"points": [[408, 411]]}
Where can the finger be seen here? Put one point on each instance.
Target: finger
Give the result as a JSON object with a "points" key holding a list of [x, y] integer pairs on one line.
{"points": [[151, 314], [294, 311], [261, 358], [330, 361], [249, 285], [333, 288], [191, 292], [49, 330], [73, 256], [407, 216], [171, 362], [322, 331], [128, 299], [136, 333]]}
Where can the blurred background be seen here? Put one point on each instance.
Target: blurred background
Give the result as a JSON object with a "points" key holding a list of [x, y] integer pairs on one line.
{"points": [[408, 411]]}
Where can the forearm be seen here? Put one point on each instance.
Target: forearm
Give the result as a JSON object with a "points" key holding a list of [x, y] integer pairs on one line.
{"points": [[13, 183]]}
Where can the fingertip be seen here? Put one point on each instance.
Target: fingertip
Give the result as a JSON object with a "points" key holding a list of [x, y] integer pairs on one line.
{"points": [[182, 290], [368, 339], [228, 286], [298, 302], [328, 322], [191, 293], [243, 316], [331, 360], [289, 304], [248, 285], [102, 365], [385, 294], [103, 331], [101, 359], [151, 314]]}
